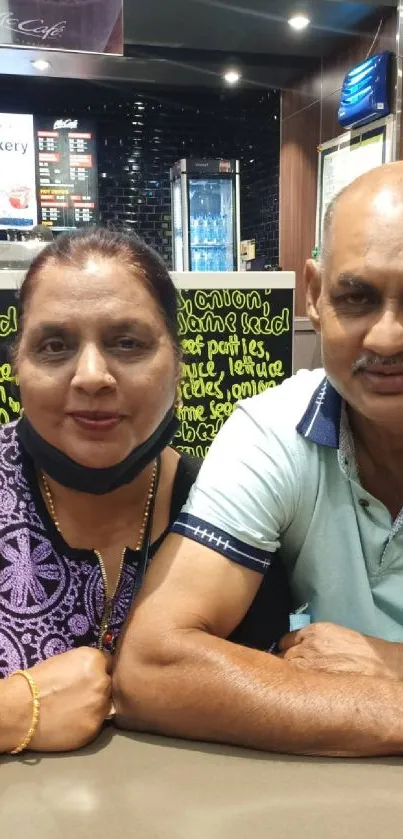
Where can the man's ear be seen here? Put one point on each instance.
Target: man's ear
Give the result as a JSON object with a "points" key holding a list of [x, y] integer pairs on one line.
{"points": [[312, 283]]}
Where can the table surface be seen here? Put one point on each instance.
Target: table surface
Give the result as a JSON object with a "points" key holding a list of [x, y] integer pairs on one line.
{"points": [[128, 785]]}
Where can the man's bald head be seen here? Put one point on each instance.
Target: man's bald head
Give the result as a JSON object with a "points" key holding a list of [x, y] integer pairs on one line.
{"points": [[376, 196]]}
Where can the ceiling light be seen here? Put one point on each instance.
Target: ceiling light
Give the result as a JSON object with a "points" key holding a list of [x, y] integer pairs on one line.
{"points": [[41, 64], [232, 76], [299, 22]]}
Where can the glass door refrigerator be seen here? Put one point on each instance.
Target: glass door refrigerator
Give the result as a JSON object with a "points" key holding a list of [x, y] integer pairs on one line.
{"points": [[205, 215]]}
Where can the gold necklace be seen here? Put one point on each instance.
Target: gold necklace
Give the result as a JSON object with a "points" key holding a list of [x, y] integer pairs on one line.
{"points": [[106, 638]]}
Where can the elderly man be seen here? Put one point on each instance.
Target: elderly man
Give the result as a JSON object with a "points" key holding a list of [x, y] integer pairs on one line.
{"points": [[310, 475]]}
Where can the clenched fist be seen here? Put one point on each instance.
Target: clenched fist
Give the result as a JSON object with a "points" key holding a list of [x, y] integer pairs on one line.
{"points": [[75, 697]]}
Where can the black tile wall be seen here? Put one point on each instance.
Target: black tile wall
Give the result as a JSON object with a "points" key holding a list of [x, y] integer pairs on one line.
{"points": [[141, 134]]}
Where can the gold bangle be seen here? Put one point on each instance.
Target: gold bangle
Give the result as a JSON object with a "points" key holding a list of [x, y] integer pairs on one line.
{"points": [[35, 710]]}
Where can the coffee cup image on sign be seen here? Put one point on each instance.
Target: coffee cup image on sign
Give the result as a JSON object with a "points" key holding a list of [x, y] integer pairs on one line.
{"points": [[82, 25], [19, 197], [17, 207]]}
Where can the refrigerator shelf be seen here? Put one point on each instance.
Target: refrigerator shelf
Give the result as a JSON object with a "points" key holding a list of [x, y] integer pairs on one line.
{"points": [[211, 245]]}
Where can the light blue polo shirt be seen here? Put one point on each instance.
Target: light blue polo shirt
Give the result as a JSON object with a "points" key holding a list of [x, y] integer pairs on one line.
{"points": [[280, 483]]}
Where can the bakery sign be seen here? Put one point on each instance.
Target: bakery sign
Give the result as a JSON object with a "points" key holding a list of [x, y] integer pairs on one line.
{"points": [[76, 25], [18, 208]]}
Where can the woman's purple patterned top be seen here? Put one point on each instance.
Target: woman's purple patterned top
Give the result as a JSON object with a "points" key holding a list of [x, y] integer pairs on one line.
{"points": [[51, 596]]}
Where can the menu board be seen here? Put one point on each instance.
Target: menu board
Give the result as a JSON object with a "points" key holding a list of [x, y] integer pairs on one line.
{"points": [[347, 157], [237, 342], [9, 397], [66, 172], [17, 172]]}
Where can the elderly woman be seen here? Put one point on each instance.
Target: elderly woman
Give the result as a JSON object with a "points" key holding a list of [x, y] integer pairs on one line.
{"points": [[88, 482]]}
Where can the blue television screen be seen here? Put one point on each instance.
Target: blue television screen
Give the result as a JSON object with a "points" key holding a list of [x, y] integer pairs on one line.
{"points": [[365, 95]]}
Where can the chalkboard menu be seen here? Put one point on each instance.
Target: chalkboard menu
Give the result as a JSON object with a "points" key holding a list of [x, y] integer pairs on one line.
{"points": [[9, 398], [66, 172], [237, 340]]}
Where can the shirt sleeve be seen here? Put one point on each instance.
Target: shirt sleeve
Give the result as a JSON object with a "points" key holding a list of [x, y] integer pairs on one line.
{"points": [[247, 491]]}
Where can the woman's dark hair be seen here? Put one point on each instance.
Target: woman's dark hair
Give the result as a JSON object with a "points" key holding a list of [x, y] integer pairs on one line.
{"points": [[73, 249]]}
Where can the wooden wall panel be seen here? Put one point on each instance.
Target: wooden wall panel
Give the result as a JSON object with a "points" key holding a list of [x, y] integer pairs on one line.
{"points": [[298, 179], [309, 117]]}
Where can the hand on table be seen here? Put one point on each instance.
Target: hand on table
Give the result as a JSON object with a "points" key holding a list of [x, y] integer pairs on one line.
{"points": [[75, 698], [335, 649]]}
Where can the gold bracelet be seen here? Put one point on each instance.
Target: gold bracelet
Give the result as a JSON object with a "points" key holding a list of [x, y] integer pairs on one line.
{"points": [[35, 710]]}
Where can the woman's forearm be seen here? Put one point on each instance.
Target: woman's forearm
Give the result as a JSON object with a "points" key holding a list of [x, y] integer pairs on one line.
{"points": [[15, 712]]}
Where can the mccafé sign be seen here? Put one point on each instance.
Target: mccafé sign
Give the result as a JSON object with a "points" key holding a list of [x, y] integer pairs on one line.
{"points": [[78, 25], [32, 28]]}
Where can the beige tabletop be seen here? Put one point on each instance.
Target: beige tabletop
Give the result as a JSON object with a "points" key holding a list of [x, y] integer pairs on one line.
{"points": [[151, 788]]}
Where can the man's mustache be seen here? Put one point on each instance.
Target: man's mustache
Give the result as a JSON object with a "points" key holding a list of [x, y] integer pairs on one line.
{"points": [[365, 362]]}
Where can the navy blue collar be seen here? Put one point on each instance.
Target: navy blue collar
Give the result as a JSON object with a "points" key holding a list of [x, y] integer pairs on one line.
{"points": [[321, 420]]}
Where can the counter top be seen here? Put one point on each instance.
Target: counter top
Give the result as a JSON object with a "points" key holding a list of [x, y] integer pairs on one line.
{"points": [[129, 785]]}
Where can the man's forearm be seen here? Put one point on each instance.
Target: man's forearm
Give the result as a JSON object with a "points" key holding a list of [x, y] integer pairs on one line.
{"points": [[203, 687]]}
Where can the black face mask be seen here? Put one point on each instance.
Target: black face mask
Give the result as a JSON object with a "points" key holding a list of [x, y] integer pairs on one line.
{"points": [[73, 475]]}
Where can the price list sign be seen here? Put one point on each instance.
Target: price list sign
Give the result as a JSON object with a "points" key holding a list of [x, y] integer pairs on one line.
{"points": [[237, 342], [66, 172]]}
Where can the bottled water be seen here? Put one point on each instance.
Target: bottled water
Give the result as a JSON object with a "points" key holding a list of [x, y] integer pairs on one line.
{"points": [[194, 230], [211, 246], [215, 262], [212, 260], [206, 231], [203, 261], [215, 231], [210, 229], [196, 259], [228, 259]]}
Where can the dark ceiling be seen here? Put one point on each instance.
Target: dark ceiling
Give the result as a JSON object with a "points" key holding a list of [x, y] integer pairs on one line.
{"points": [[189, 42]]}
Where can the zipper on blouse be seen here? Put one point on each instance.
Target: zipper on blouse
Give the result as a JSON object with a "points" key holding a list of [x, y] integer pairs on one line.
{"points": [[104, 631]]}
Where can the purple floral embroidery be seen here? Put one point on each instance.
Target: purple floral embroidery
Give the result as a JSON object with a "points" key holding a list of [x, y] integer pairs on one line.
{"points": [[49, 602], [11, 654], [79, 624], [29, 566]]}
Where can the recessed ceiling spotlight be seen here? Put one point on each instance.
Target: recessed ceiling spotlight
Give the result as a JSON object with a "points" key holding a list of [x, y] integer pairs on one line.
{"points": [[299, 22], [232, 76], [41, 64]]}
